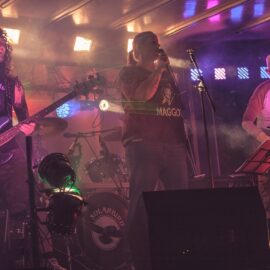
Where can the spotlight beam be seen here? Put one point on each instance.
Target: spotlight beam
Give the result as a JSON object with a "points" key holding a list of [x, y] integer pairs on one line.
{"points": [[68, 11], [5, 3]]}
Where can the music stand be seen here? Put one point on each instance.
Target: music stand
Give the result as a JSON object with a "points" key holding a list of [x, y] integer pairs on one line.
{"points": [[258, 162]]}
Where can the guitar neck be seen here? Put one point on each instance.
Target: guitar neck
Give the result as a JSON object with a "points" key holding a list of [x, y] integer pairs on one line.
{"points": [[9, 134]]}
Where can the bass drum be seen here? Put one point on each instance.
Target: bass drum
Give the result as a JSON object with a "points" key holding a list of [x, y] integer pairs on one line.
{"points": [[101, 230]]}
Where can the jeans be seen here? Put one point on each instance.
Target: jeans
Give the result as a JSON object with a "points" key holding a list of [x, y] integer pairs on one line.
{"points": [[150, 163]]}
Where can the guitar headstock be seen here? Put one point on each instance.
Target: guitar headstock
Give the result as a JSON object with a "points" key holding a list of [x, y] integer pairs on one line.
{"points": [[94, 84]]}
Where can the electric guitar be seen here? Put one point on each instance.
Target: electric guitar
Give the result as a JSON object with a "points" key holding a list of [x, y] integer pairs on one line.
{"points": [[82, 88]]}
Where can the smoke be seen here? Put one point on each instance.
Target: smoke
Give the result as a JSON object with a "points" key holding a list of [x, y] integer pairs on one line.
{"points": [[234, 137]]}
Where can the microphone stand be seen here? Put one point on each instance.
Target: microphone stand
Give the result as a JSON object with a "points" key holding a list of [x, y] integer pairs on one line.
{"points": [[33, 211], [204, 93]]}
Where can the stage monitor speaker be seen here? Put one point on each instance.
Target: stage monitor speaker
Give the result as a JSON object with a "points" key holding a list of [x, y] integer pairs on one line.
{"points": [[222, 228], [4, 231]]}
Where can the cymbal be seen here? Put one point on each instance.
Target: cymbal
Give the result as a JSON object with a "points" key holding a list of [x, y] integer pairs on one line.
{"points": [[113, 136], [50, 126]]}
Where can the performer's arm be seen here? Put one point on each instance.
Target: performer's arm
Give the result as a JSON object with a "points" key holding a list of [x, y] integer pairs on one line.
{"points": [[142, 90], [21, 108], [253, 110]]}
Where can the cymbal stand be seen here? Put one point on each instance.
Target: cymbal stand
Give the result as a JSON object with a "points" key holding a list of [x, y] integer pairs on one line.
{"points": [[75, 159], [69, 259], [116, 180]]}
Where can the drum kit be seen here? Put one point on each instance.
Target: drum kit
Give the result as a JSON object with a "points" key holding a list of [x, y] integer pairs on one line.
{"points": [[103, 212]]}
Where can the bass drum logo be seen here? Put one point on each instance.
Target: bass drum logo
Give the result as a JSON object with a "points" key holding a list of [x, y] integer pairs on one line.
{"points": [[103, 226]]}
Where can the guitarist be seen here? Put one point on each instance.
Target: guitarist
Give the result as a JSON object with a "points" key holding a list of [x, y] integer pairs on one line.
{"points": [[13, 168], [256, 122], [13, 174]]}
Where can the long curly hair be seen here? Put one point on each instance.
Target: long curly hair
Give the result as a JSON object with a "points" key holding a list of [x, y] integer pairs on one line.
{"points": [[7, 59]]}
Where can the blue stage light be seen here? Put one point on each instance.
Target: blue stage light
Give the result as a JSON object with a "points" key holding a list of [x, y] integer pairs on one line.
{"points": [[194, 74], [190, 8], [73, 107], [237, 13], [68, 109], [243, 73], [63, 111], [263, 73], [258, 8]]}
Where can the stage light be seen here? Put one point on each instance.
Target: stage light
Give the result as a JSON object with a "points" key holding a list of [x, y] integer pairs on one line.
{"points": [[82, 44], [112, 106], [237, 13], [104, 105], [243, 73], [220, 73], [131, 27], [263, 73], [194, 74], [73, 107], [129, 45], [63, 111], [13, 35], [210, 4], [190, 8], [258, 8]]}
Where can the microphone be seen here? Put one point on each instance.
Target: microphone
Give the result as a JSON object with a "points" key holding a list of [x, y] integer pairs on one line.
{"points": [[162, 54], [190, 51], [191, 56], [164, 57]]}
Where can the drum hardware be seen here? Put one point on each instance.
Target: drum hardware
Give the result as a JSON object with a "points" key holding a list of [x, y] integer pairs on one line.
{"points": [[108, 166], [65, 201], [74, 151], [18, 243], [56, 169], [114, 135], [63, 212]]}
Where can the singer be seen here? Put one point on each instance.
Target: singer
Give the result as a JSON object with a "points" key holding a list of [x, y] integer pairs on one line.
{"points": [[154, 136]]}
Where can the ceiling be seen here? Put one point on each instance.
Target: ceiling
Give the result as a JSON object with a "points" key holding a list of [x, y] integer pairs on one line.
{"points": [[49, 27]]}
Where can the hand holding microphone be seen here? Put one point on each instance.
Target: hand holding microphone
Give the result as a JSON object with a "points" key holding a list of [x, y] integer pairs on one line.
{"points": [[163, 61]]}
